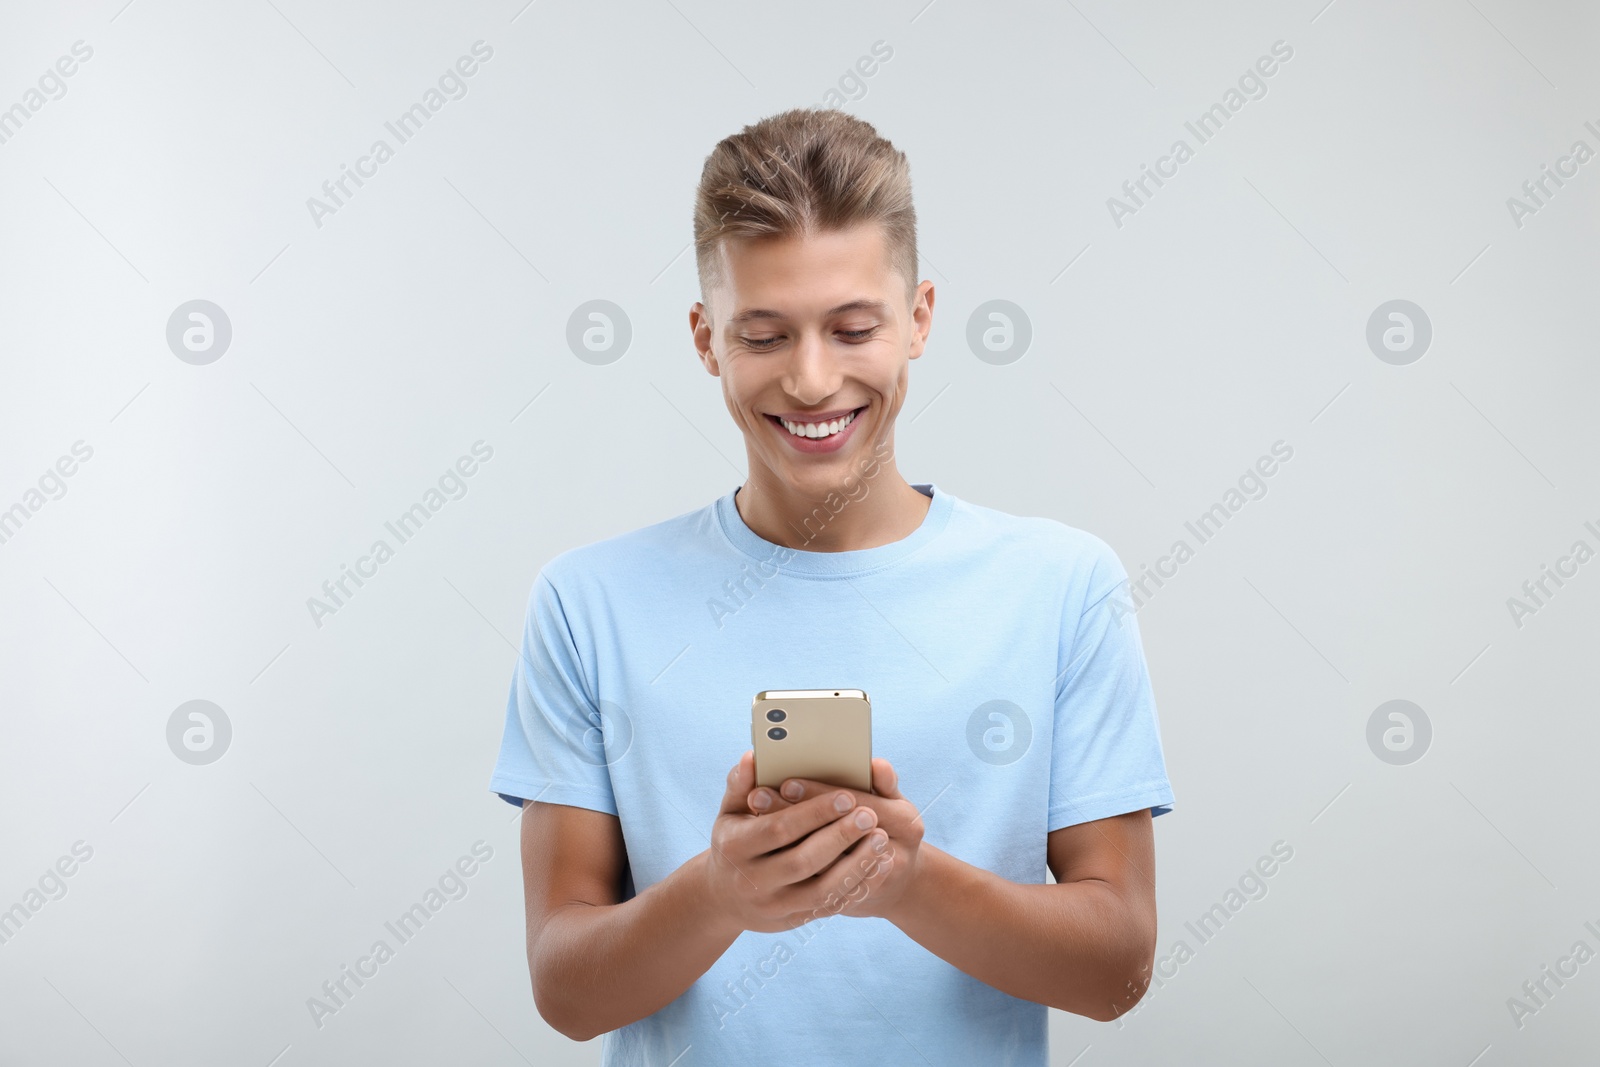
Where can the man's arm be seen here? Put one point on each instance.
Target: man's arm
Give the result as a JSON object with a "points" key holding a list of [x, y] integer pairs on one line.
{"points": [[599, 963], [1083, 945]]}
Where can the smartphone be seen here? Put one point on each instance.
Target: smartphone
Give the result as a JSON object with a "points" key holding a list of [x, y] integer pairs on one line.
{"points": [[821, 734]]}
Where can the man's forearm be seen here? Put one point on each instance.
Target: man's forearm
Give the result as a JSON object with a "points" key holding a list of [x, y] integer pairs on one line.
{"points": [[1076, 946], [599, 968]]}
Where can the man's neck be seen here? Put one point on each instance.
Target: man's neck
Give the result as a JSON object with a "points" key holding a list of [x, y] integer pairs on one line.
{"points": [[865, 514]]}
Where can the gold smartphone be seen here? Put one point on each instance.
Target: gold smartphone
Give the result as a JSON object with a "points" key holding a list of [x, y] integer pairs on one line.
{"points": [[821, 734]]}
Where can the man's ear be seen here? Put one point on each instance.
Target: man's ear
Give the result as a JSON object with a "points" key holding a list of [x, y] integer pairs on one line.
{"points": [[921, 318], [700, 331]]}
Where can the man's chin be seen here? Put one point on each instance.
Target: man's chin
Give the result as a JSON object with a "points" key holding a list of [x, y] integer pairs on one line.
{"points": [[835, 474]]}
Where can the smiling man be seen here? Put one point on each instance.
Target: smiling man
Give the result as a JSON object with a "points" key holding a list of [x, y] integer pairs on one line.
{"points": [[695, 919]]}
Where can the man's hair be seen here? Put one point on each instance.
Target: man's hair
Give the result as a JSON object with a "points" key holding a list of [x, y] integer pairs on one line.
{"points": [[804, 171]]}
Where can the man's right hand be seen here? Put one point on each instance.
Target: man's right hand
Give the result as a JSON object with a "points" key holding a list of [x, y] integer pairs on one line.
{"points": [[771, 873]]}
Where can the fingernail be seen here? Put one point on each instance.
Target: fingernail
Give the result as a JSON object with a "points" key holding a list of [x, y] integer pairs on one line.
{"points": [[793, 790], [864, 819], [880, 842], [843, 803], [761, 801]]}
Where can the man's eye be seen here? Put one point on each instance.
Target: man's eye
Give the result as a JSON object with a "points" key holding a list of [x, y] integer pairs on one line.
{"points": [[858, 335], [760, 342]]}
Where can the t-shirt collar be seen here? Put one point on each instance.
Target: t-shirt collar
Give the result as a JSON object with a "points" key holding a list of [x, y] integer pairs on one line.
{"points": [[833, 564]]}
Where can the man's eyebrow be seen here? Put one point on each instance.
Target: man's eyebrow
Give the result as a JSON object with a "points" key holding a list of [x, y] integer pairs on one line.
{"points": [[749, 314]]}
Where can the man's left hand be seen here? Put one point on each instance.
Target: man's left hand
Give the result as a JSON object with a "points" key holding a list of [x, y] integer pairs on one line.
{"points": [[884, 884]]}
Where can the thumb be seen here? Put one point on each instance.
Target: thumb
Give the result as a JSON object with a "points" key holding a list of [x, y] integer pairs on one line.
{"points": [[885, 782], [741, 780]]}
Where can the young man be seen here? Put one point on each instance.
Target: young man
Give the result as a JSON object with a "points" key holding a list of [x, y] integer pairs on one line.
{"points": [[695, 919]]}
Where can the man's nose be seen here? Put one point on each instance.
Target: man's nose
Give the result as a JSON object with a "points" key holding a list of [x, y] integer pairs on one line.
{"points": [[813, 372]]}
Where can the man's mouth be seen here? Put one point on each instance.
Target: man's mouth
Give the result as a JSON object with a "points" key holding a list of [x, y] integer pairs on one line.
{"points": [[817, 429]]}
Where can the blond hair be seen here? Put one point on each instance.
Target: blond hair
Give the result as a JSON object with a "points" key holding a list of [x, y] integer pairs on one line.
{"points": [[804, 171]]}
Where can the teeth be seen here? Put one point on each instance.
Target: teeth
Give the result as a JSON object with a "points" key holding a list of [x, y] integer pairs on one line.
{"points": [[818, 429]]}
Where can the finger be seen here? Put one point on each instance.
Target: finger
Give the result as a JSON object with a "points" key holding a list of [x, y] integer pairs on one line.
{"points": [[818, 851], [740, 780], [885, 782], [795, 790], [764, 801], [856, 873], [857, 870], [895, 813], [887, 813], [784, 828], [808, 787]]}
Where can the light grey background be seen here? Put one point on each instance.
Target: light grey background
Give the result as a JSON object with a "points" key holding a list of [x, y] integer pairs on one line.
{"points": [[430, 311]]}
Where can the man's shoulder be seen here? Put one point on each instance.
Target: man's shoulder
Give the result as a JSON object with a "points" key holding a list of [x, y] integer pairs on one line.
{"points": [[1024, 533], [1048, 543], [636, 553]]}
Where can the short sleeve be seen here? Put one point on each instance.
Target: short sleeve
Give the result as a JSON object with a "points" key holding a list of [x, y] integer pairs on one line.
{"points": [[553, 746], [1106, 756]]}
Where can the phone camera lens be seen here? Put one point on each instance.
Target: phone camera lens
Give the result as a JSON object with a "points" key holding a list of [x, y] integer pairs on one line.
{"points": [[777, 733], [777, 715]]}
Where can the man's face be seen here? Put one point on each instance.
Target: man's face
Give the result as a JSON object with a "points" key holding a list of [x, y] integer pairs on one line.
{"points": [[813, 330]]}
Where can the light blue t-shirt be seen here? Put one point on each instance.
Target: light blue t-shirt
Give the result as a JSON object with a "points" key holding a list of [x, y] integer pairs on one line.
{"points": [[1009, 695]]}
